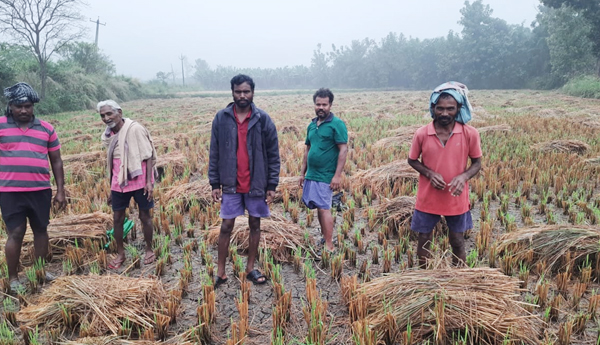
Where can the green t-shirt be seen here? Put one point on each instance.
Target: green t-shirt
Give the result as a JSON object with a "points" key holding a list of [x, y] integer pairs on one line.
{"points": [[324, 151]]}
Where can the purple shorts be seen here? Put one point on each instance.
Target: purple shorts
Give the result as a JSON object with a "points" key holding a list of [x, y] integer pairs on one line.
{"points": [[233, 205], [425, 222], [317, 195]]}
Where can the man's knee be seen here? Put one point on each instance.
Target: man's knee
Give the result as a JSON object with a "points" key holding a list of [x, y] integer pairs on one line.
{"points": [[17, 233], [457, 240], [254, 224], [227, 226], [119, 217], [425, 237], [145, 216]]}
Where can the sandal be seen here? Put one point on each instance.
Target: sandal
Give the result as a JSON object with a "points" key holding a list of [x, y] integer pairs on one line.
{"points": [[149, 258], [254, 276], [219, 281], [116, 264]]}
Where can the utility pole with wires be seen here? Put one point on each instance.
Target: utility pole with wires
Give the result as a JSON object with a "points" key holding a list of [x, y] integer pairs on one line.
{"points": [[182, 72], [97, 28]]}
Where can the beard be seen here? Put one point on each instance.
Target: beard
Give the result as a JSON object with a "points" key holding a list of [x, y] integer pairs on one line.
{"points": [[243, 103], [444, 120], [321, 114]]}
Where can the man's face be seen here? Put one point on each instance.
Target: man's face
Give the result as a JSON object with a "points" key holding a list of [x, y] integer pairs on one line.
{"points": [[322, 107], [22, 112], [242, 95], [111, 117], [445, 111]]}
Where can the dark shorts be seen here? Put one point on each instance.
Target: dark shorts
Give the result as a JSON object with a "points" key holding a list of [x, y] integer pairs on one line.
{"points": [[317, 195], [17, 207], [425, 222], [233, 205], [120, 201]]}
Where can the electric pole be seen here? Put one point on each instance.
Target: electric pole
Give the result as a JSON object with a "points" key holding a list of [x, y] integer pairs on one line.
{"points": [[182, 73], [97, 28]]}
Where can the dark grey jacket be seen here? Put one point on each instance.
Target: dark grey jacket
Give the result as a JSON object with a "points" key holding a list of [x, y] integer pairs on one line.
{"points": [[263, 152]]}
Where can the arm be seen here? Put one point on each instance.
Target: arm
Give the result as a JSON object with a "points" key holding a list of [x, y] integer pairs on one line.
{"points": [[59, 176], [458, 183], [149, 188], [273, 161], [304, 165], [436, 179], [213, 161], [335, 182]]}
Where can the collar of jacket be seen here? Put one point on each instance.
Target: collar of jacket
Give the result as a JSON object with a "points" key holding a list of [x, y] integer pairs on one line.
{"points": [[254, 118]]}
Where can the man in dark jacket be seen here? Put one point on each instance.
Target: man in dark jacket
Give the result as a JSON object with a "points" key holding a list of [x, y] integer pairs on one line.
{"points": [[244, 164]]}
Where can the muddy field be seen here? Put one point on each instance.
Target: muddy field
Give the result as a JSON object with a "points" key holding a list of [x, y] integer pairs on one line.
{"points": [[540, 168]]}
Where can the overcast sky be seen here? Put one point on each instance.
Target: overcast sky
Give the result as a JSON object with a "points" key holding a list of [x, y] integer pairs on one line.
{"points": [[145, 37]]}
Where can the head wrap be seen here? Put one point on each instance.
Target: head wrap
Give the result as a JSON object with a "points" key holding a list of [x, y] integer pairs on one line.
{"points": [[21, 93], [459, 92]]}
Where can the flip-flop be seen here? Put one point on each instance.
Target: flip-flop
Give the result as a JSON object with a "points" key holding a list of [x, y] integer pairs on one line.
{"points": [[254, 277], [115, 264], [219, 281], [149, 258]]}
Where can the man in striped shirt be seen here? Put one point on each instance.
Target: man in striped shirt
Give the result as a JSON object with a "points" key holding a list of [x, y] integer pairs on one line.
{"points": [[26, 143]]}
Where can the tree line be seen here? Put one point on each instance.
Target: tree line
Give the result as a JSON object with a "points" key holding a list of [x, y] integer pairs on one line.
{"points": [[488, 53]]}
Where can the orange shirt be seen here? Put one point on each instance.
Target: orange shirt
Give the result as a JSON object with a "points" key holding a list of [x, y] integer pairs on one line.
{"points": [[449, 161]]}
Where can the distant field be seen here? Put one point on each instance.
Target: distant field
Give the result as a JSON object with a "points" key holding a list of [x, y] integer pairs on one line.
{"points": [[526, 180]]}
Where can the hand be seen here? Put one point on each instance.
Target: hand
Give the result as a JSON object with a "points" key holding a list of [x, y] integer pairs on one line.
{"points": [[270, 196], [60, 200], [109, 199], [301, 182], [216, 195], [437, 181], [335, 183], [457, 185], [149, 191]]}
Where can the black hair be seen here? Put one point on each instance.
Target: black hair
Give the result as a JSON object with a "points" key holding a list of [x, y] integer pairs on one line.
{"points": [[322, 93], [240, 79]]}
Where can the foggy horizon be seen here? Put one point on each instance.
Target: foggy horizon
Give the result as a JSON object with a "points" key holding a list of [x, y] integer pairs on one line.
{"points": [[142, 38]]}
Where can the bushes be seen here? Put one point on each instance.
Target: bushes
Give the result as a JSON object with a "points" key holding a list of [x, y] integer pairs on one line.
{"points": [[584, 86]]}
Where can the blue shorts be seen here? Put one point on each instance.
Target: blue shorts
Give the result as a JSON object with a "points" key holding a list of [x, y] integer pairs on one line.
{"points": [[233, 205], [425, 222], [120, 201], [317, 195]]}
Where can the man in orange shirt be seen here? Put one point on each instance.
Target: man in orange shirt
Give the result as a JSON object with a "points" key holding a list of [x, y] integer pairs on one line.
{"points": [[444, 146]]}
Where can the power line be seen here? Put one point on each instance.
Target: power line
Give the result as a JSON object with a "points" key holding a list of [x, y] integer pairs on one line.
{"points": [[97, 28]]}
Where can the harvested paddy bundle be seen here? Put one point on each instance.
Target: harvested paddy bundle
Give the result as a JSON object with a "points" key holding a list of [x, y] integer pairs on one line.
{"points": [[559, 246], [176, 160], [82, 137], [397, 141], [593, 161], [385, 177], [86, 157], [438, 303], [277, 234], [495, 128], [199, 190], [289, 184], [572, 146], [395, 212], [99, 302], [405, 131]]}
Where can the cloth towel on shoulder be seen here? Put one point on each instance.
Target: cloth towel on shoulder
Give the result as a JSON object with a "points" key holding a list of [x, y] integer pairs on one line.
{"points": [[459, 92], [133, 150]]}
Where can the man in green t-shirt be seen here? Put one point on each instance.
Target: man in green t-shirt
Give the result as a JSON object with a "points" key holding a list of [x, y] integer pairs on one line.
{"points": [[324, 159]]}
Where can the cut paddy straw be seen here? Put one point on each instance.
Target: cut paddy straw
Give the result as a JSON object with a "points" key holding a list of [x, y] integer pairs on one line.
{"points": [[277, 234], [383, 177], [289, 184], [102, 302], [552, 244], [112, 340], [481, 300], [395, 212], [567, 146], [199, 190]]}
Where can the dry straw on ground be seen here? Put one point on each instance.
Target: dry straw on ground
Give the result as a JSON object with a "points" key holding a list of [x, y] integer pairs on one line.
{"points": [[383, 177], [289, 184], [277, 234], [559, 246], [199, 190], [496, 128], [102, 302], [86, 157], [175, 160], [572, 146], [395, 212], [112, 340], [447, 300]]}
